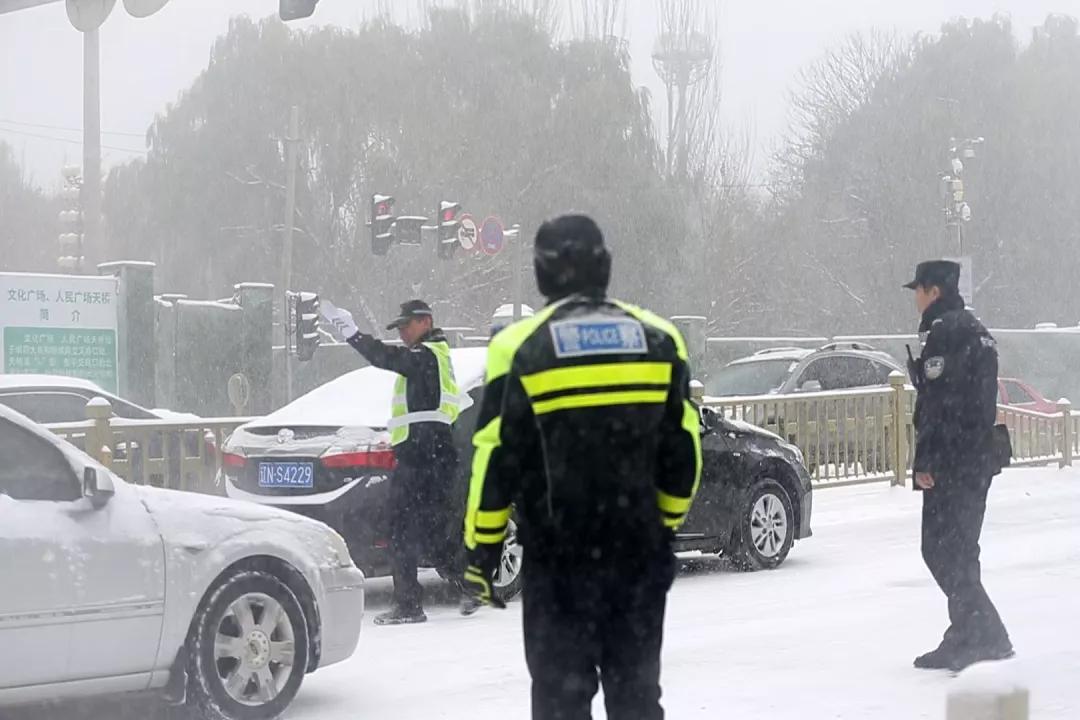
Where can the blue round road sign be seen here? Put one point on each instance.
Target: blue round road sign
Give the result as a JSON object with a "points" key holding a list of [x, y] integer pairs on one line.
{"points": [[492, 237]]}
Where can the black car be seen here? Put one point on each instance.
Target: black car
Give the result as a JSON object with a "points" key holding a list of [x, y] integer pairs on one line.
{"points": [[327, 455]]}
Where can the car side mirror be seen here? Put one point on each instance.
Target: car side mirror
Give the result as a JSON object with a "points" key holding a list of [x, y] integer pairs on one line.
{"points": [[709, 418], [97, 488], [810, 386]]}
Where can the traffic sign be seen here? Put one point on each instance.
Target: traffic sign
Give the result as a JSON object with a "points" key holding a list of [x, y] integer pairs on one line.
{"points": [[143, 8], [60, 325], [492, 236], [467, 232], [87, 15]]}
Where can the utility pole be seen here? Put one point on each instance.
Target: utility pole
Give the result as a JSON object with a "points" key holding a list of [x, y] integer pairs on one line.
{"points": [[91, 175], [291, 143], [519, 241]]}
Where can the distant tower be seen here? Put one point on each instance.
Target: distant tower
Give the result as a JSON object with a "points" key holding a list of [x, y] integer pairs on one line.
{"points": [[682, 57]]}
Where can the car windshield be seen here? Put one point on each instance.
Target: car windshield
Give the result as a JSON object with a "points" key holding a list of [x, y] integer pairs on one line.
{"points": [[760, 377]]}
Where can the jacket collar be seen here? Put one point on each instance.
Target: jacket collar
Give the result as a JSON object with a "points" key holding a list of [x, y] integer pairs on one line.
{"points": [[938, 309]]}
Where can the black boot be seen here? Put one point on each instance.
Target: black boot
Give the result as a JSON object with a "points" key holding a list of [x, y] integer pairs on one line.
{"points": [[940, 658], [400, 616], [967, 657]]}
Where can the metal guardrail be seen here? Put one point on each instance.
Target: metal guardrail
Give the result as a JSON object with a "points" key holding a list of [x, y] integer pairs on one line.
{"points": [[179, 455], [853, 437]]}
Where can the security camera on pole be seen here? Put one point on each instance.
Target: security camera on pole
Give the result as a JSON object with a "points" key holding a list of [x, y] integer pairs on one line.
{"points": [[957, 211], [71, 222]]}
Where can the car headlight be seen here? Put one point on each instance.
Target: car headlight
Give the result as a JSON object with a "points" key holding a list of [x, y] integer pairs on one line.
{"points": [[340, 549], [796, 452]]}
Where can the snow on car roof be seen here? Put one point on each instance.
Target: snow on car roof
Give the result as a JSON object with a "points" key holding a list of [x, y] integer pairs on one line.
{"points": [[8, 381], [362, 397], [777, 354]]}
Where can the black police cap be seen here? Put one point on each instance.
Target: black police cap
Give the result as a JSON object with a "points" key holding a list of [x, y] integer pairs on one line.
{"points": [[409, 311], [944, 274]]}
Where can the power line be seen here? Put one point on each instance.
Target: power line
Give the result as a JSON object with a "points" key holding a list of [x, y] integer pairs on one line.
{"points": [[69, 141], [71, 129]]}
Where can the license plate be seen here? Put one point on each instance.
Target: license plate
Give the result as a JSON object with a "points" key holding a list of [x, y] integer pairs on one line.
{"points": [[286, 475]]}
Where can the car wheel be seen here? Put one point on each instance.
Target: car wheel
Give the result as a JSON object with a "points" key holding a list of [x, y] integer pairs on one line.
{"points": [[250, 650], [508, 578], [765, 527]]}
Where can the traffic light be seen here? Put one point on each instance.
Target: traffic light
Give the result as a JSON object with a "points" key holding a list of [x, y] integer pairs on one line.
{"points": [[449, 223], [382, 222], [296, 9], [307, 325]]}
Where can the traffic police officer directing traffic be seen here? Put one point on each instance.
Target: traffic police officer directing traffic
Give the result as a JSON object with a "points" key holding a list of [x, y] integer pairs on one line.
{"points": [[425, 405], [956, 455], [586, 428]]}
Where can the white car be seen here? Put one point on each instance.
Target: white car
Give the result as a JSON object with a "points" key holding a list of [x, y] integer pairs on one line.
{"points": [[110, 587]]}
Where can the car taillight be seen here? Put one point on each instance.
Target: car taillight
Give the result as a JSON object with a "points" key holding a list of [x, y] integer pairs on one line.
{"points": [[232, 460], [378, 459]]}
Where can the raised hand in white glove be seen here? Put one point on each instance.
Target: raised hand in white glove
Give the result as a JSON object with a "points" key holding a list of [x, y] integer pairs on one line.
{"points": [[339, 321]]}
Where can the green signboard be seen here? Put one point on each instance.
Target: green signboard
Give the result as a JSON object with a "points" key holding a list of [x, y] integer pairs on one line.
{"points": [[88, 354]]}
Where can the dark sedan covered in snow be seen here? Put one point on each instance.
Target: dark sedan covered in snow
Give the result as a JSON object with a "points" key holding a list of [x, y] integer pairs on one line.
{"points": [[327, 455]]}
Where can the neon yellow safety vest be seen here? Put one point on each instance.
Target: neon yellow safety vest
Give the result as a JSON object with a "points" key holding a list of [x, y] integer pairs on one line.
{"points": [[449, 402]]}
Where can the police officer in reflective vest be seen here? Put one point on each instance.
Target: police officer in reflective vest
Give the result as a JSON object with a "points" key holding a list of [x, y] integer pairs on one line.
{"points": [[425, 405], [586, 429], [956, 377]]}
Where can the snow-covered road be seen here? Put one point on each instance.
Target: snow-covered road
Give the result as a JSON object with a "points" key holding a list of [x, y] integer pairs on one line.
{"points": [[829, 635]]}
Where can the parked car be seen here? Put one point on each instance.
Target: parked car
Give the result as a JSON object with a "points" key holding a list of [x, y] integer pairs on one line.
{"points": [[48, 399], [863, 433], [1018, 394], [327, 455], [111, 587], [781, 371]]}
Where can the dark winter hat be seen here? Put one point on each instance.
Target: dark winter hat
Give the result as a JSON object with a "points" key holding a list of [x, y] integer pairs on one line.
{"points": [[409, 311], [944, 274], [569, 257]]}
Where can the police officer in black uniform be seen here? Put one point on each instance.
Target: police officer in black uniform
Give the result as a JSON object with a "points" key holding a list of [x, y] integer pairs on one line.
{"points": [[955, 459], [587, 429]]}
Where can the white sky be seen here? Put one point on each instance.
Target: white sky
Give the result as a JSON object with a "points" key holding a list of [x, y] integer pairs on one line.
{"points": [[146, 63]]}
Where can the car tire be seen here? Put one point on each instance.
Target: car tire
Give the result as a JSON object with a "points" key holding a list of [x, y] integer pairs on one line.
{"points": [[224, 675], [508, 575], [765, 527]]}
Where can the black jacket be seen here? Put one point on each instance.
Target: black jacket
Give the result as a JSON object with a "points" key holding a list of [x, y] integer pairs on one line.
{"points": [[956, 380], [427, 442], [586, 426]]}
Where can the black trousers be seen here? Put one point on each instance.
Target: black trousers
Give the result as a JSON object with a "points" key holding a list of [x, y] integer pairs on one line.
{"points": [[419, 530], [595, 623], [952, 520]]}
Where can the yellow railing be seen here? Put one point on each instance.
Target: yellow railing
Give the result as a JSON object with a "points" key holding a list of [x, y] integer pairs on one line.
{"points": [[852, 437], [1040, 438], [180, 455], [847, 438]]}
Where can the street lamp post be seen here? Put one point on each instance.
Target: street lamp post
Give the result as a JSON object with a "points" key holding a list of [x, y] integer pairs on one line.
{"points": [[91, 186]]}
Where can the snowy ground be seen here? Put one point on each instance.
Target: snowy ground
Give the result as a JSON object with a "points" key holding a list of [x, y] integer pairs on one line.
{"points": [[829, 635]]}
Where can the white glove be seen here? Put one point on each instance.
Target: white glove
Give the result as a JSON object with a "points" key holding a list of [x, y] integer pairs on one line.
{"points": [[339, 321]]}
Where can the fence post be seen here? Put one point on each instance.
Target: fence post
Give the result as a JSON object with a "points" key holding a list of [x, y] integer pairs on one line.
{"points": [[899, 453], [99, 438], [1065, 408]]}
